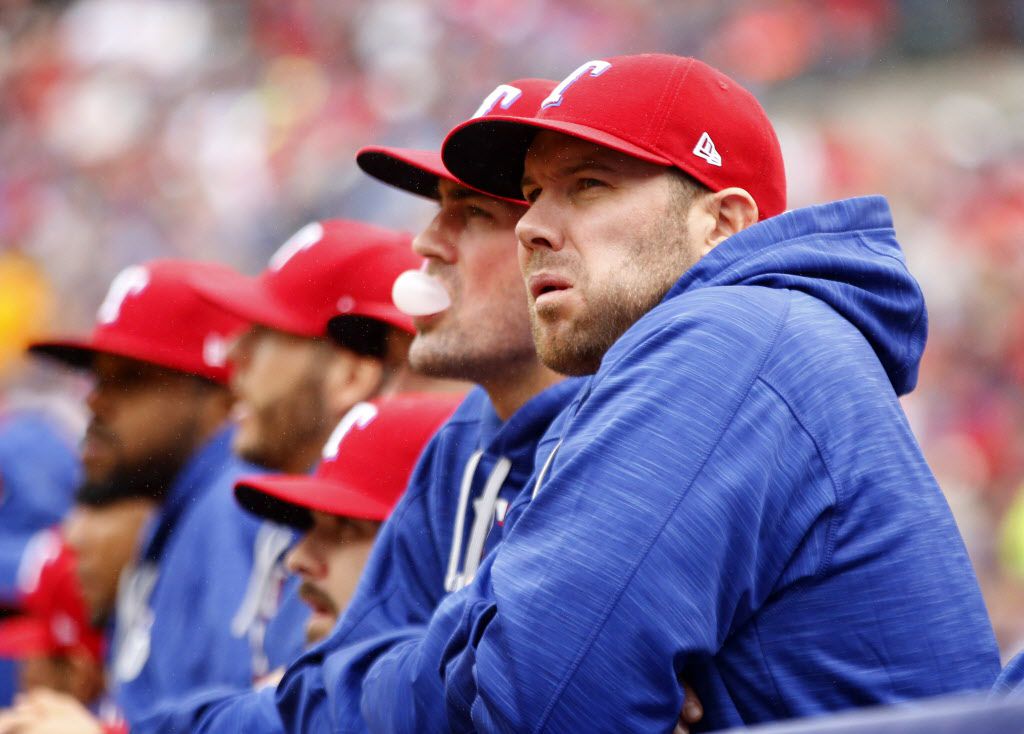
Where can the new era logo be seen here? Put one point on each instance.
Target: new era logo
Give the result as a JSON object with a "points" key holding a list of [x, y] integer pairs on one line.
{"points": [[706, 149]]}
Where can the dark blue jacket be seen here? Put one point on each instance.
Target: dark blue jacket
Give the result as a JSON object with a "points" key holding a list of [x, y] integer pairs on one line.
{"points": [[737, 502], [181, 628]]}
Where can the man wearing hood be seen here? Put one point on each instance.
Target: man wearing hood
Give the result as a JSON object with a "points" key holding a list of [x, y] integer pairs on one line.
{"points": [[736, 499]]}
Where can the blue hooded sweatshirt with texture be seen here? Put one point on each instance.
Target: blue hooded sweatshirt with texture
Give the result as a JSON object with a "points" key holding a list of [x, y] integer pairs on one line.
{"points": [[179, 624], [737, 501], [462, 485]]}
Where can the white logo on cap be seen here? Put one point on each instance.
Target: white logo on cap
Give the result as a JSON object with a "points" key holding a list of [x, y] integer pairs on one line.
{"points": [[215, 350], [706, 149], [596, 68], [503, 95], [361, 414], [301, 240], [130, 281]]}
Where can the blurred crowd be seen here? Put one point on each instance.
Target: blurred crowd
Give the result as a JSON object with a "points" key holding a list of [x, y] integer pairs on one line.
{"points": [[135, 129]]}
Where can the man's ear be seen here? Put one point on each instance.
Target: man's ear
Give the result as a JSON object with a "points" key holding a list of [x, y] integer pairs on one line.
{"points": [[732, 210], [350, 378]]}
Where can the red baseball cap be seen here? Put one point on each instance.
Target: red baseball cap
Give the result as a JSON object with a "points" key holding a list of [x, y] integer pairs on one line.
{"points": [[418, 171], [326, 269], [365, 467], [55, 617], [153, 315], [670, 110]]}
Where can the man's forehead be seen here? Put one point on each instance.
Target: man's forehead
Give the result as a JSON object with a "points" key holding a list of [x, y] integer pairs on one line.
{"points": [[115, 368], [556, 152]]}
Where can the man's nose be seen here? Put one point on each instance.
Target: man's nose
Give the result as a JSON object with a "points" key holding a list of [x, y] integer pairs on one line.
{"points": [[539, 228]]}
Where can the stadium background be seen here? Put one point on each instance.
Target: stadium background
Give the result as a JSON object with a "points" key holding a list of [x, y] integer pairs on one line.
{"points": [[133, 129]]}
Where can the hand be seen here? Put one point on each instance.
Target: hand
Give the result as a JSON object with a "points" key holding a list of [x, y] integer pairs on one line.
{"points": [[692, 712], [42, 711], [270, 680]]}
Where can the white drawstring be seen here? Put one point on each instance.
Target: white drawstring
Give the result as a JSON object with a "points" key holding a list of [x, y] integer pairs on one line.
{"points": [[484, 508], [451, 578], [544, 470]]}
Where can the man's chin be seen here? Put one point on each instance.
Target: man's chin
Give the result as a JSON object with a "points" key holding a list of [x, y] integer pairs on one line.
{"points": [[319, 626], [565, 350]]}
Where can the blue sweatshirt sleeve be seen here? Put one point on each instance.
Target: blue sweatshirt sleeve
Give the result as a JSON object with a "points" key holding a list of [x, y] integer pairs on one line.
{"points": [[399, 589], [678, 500], [215, 710], [402, 691]]}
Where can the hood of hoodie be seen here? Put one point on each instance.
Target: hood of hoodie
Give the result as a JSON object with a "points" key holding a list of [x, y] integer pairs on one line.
{"points": [[844, 253], [516, 438]]}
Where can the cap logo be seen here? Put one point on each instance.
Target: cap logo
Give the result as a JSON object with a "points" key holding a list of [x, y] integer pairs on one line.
{"points": [[596, 68], [504, 95], [706, 149], [129, 282], [215, 350], [361, 414], [301, 240]]}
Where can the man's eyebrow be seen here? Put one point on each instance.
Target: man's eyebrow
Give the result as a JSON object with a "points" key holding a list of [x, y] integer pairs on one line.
{"points": [[588, 164], [461, 194]]}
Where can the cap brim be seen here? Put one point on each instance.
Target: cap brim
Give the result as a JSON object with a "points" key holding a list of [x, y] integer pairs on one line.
{"points": [[246, 298], [415, 171], [81, 353], [22, 637], [76, 353], [289, 499], [488, 153]]}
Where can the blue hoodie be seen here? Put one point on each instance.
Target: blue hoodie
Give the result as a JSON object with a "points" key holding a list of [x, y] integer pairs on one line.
{"points": [[176, 623], [260, 613], [737, 502]]}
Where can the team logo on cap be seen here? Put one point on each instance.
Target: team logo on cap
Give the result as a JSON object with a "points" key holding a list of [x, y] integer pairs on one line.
{"points": [[215, 350], [361, 414], [596, 68], [504, 95], [705, 148], [129, 282], [301, 240]]}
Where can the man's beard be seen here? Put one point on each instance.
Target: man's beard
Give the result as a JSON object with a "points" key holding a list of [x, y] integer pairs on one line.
{"points": [[149, 478], [316, 598], [580, 351], [289, 425], [577, 347]]}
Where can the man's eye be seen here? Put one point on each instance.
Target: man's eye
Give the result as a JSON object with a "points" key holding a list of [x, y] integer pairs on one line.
{"points": [[589, 183], [475, 211], [531, 195]]}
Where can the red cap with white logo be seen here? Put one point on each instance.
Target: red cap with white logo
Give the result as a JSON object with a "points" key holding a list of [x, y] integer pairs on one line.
{"points": [[366, 463], [55, 618], [327, 269], [152, 314], [668, 110], [418, 171]]}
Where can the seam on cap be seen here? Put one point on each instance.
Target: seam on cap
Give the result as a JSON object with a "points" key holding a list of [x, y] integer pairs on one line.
{"points": [[663, 107]]}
